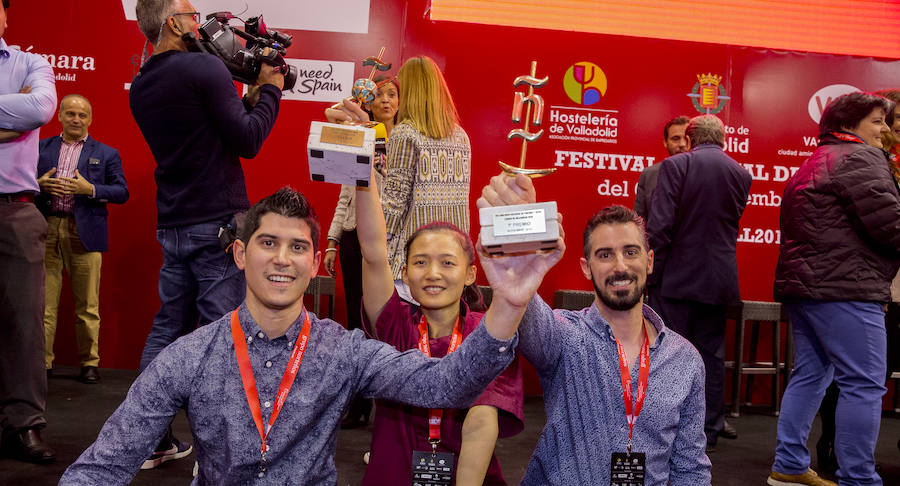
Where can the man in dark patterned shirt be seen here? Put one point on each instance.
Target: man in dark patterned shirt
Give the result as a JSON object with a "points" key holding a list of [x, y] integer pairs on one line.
{"points": [[218, 370], [584, 359]]}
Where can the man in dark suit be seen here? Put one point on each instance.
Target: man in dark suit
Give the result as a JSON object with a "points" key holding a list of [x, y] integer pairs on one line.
{"points": [[693, 229], [79, 175]]}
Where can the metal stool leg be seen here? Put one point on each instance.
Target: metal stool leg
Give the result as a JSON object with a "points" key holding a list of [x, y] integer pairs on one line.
{"points": [[738, 370], [754, 339], [776, 362]]}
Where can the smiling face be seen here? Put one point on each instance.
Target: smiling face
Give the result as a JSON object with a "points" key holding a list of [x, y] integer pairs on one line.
{"points": [[437, 270], [75, 116], [871, 127], [384, 107], [618, 265], [278, 261]]}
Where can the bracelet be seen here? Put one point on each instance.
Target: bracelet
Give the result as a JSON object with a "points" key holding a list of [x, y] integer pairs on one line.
{"points": [[330, 249]]}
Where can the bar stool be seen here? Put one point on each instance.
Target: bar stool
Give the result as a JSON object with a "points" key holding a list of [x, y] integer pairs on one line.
{"points": [[758, 312], [572, 299], [318, 287]]}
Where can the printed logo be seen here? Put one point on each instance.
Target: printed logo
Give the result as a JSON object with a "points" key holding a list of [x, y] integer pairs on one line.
{"points": [[708, 94], [66, 62], [821, 98], [585, 83], [320, 80]]}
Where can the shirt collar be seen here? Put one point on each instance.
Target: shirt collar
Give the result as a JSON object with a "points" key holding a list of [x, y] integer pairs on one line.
{"points": [[82, 140], [4, 49], [593, 315], [251, 328]]}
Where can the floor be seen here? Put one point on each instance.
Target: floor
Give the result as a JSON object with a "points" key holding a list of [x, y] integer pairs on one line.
{"points": [[75, 413]]}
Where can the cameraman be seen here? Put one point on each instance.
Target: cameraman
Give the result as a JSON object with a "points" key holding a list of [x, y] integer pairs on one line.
{"points": [[197, 127]]}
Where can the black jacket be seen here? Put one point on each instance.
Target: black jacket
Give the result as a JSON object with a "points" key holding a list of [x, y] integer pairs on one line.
{"points": [[840, 226]]}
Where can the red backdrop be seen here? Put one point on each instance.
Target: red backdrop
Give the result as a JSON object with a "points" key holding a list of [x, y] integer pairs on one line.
{"points": [[763, 96]]}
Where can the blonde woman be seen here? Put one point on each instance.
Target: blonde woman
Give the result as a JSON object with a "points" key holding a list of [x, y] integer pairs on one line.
{"points": [[429, 162]]}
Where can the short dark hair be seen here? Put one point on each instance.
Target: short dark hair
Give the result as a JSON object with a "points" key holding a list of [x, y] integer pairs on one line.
{"points": [[678, 120], [5, 3], [286, 202], [615, 214], [848, 110]]}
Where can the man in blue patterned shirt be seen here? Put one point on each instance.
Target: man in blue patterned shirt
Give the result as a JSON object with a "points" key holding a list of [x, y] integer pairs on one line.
{"points": [[584, 357], [206, 372]]}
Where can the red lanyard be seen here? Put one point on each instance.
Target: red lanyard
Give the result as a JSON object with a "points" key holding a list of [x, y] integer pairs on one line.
{"points": [[249, 382], [643, 375], [436, 414]]}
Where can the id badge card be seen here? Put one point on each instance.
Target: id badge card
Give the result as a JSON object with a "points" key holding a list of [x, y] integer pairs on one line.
{"points": [[432, 468], [627, 469]]}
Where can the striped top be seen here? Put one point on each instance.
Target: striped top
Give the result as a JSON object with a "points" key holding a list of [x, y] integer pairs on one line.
{"points": [[427, 180]]}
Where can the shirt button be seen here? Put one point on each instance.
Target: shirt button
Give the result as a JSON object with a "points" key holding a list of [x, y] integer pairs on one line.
{"points": [[267, 404], [259, 334], [290, 343], [249, 339], [268, 364], [502, 349], [261, 474]]}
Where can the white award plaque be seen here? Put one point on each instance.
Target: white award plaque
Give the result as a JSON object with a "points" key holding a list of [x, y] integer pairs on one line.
{"points": [[340, 154], [520, 228]]}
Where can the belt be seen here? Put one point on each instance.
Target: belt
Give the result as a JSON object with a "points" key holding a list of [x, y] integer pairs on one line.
{"points": [[60, 214], [17, 197]]}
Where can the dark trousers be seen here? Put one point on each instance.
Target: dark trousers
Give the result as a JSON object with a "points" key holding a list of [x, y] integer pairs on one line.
{"points": [[351, 270], [198, 284], [704, 326], [23, 381]]}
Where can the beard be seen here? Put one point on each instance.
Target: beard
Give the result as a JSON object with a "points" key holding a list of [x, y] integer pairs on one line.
{"points": [[620, 300]]}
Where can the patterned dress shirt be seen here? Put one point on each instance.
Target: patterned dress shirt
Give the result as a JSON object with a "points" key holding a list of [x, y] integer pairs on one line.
{"points": [[199, 373], [427, 180], [577, 360], [69, 153]]}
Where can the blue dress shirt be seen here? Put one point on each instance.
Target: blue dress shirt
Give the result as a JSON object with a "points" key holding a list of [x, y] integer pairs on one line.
{"points": [[24, 113], [578, 363], [199, 373]]}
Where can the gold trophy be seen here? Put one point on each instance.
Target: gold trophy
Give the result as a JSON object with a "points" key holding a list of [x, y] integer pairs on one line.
{"points": [[523, 227]]}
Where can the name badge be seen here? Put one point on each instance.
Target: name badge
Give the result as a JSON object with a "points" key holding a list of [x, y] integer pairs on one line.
{"points": [[432, 468], [627, 469], [93, 161]]}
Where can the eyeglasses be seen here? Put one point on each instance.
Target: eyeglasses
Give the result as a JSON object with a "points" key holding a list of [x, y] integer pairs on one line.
{"points": [[194, 15]]}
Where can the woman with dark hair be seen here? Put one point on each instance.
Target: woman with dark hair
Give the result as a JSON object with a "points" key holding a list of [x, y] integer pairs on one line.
{"points": [[342, 232], [439, 270], [840, 248]]}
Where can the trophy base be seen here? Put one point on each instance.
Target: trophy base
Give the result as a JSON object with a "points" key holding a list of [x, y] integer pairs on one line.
{"points": [[521, 228], [533, 173], [340, 154]]}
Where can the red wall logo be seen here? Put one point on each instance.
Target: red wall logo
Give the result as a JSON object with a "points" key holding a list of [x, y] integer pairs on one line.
{"points": [[708, 94], [821, 98]]}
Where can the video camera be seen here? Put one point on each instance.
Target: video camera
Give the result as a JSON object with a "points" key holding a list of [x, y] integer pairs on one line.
{"points": [[244, 62]]}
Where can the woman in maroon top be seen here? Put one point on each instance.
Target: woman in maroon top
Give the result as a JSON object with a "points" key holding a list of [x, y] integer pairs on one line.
{"points": [[439, 269]]}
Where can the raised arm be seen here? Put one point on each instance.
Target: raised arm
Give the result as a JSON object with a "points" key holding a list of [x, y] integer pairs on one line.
{"points": [[514, 278], [378, 281]]}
